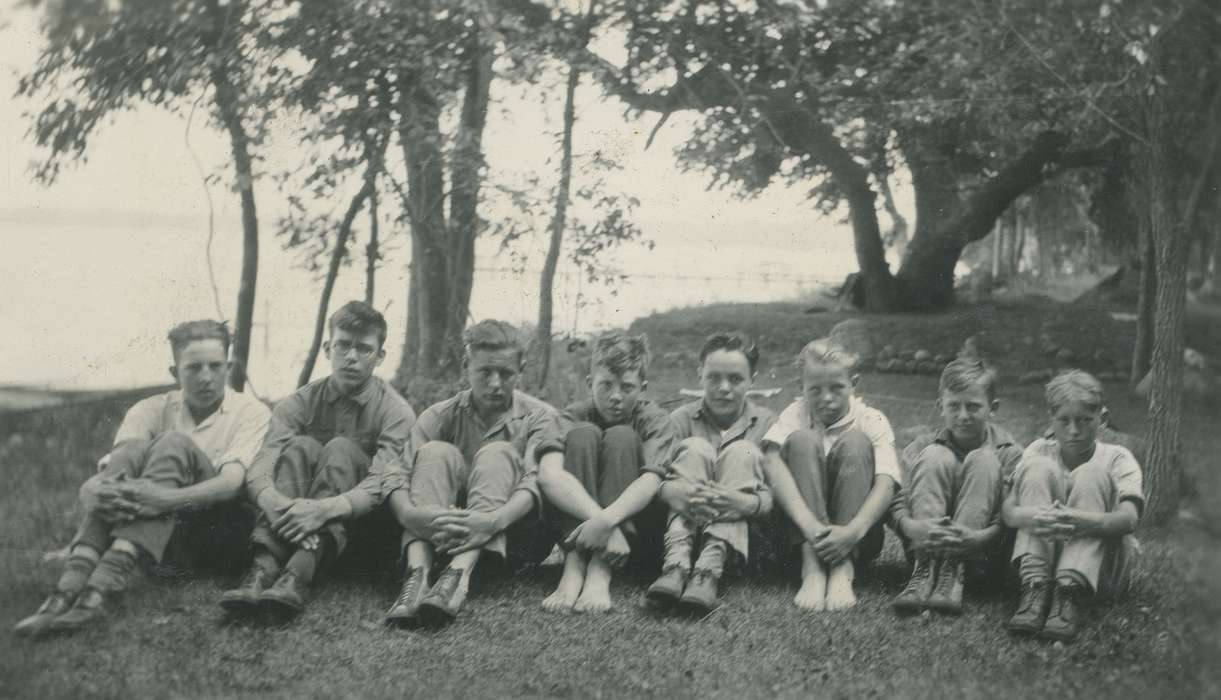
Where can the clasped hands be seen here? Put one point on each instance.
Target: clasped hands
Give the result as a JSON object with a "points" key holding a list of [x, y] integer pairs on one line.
{"points": [[1060, 523], [703, 501], [118, 499], [942, 537], [600, 534]]}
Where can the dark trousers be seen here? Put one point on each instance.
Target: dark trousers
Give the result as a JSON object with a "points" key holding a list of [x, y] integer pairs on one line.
{"points": [[834, 485], [606, 463], [308, 469], [209, 537]]}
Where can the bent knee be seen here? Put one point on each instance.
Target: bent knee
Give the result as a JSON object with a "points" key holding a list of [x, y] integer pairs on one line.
{"points": [[804, 439], [619, 434], [698, 446], [499, 448], [436, 450], [854, 442], [983, 458], [304, 443], [583, 434], [172, 441]]}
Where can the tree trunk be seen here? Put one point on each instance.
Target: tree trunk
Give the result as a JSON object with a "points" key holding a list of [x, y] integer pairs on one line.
{"points": [[373, 250], [1142, 348], [558, 221], [421, 141], [1171, 245], [332, 272], [227, 104], [466, 179]]}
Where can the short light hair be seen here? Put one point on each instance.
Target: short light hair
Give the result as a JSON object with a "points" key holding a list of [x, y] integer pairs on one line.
{"points": [[963, 373], [825, 351], [359, 318], [621, 353], [186, 333], [732, 342], [493, 336], [1074, 385]]}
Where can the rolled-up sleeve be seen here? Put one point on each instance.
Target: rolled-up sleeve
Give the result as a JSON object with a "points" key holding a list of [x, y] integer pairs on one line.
{"points": [[793, 418], [885, 460], [287, 421], [1126, 472], [395, 423], [143, 421], [252, 418], [425, 428], [656, 441]]}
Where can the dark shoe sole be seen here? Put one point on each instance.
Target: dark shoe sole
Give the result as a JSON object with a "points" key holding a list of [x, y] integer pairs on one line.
{"points": [[907, 607], [280, 606], [1023, 630], [1054, 635], [406, 618], [663, 596], [432, 615], [698, 607], [943, 608], [239, 605]]}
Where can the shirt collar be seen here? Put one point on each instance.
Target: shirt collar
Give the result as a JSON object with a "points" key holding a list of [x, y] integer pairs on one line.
{"points": [[854, 407], [185, 412], [750, 416], [993, 437], [332, 393]]}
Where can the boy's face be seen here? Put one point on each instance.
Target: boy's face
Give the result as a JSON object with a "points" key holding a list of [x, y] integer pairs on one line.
{"points": [[493, 376], [828, 391], [353, 357], [615, 395], [725, 376], [202, 369], [1076, 425], [966, 413]]}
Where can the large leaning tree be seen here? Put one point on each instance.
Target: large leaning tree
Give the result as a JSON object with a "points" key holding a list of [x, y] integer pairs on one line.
{"points": [[104, 57], [838, 96]]}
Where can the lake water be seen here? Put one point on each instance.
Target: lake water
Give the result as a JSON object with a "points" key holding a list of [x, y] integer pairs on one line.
{"points": [[86, 301]]}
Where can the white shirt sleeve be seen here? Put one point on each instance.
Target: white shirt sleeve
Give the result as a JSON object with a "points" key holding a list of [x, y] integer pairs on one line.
{"points": [[793, 418], [143, 420], [885, 460]]}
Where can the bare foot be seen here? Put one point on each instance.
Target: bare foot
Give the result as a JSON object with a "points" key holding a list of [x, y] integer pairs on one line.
{"points": [[813, 592], [839, 586], [595, 595], [571, 581]]}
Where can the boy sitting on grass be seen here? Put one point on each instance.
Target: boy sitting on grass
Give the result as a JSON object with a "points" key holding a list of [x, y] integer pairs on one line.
{"points": [[175, 473], [830, 459], [616, 446], [1075, 503], [948, 511], [716, 476]]}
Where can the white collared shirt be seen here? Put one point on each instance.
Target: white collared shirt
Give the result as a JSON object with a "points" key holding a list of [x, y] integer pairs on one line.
{"points": [[232, 434], [860, 416]]}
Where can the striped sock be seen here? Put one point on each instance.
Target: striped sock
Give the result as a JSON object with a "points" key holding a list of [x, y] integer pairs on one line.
{"points": [[114, 572]]}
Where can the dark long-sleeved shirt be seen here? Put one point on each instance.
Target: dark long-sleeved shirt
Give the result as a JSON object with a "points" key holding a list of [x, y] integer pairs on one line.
{"points": [[1007, 450], [528, 425], [376, 418], [648, 420]]}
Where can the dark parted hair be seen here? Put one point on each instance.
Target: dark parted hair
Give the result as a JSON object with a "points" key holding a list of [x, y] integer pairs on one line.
{"points": [[621, 353], [186, 333], [739, 342], [492, 335], [359, 318]]}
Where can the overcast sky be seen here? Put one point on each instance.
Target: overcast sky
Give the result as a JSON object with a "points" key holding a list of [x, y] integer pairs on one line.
{"points": [[97, 267]]}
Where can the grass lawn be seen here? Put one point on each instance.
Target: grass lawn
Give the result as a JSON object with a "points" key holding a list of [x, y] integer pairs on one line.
{"points": [[172, 640]]}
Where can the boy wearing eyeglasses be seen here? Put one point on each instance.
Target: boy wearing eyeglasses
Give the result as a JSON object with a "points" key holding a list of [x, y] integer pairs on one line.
{"points": [[321, 466]]}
